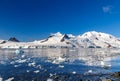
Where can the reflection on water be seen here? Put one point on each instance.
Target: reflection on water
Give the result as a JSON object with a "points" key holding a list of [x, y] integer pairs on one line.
{"points": [[50, 61]]}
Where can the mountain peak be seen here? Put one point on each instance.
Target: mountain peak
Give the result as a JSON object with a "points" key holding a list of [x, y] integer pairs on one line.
{"points": [[91, 33], [57, 34], [13, 39], [97, 34], [70, 35]]}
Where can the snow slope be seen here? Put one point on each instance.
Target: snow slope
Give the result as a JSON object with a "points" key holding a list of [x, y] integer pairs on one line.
{"points": [[56, 39]]}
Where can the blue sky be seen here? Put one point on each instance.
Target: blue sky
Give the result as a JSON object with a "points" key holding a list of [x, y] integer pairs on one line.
{"points": [[36, 19]]}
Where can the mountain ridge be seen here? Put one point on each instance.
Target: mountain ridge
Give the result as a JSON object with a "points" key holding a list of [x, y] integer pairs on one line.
{"points": [[91, 39]]}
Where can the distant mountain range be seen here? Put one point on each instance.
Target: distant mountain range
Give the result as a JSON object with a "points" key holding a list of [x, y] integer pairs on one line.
{"points": [[90, 39]]}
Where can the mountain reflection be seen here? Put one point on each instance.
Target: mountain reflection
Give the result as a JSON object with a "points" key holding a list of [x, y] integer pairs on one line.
{"points": [[90, 57]]}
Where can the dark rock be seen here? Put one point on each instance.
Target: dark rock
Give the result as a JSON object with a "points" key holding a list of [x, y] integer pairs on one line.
{"points": [[116, 75], [96, 38], [85, 34], [110, 37], [98, 47], [80, 80], [68, 43], [56, 77], [3, 42], [86, 40], [109, 46], [91, 47], [13, 39], [47, 39], [65, 37], [62, 40], [50, 36], [44, 40], [118, 39], [106, 80]]}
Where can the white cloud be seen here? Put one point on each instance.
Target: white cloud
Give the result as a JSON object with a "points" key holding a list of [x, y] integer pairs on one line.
{"points": [[110, 9], [107, 9]]}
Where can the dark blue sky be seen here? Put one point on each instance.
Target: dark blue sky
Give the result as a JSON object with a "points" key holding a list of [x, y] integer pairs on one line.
{"points": [[35, 19]]}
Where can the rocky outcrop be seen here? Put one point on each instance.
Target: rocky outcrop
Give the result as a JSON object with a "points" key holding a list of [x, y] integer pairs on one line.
{"points": [[13, 39], [3, 42]]}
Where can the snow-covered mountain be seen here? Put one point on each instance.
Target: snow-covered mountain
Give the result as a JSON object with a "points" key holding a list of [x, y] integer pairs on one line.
{"points": [[98, 40], [56, 39], [90, 39]]}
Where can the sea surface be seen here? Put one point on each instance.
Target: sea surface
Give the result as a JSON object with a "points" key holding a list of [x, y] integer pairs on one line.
{"points": [[59, 64]]}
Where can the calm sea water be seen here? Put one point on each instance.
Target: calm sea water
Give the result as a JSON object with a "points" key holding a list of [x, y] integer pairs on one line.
{"points": [[54, 64]]}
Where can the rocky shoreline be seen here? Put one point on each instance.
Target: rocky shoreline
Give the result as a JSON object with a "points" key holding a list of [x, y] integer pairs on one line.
{"points": [[45, 76]]}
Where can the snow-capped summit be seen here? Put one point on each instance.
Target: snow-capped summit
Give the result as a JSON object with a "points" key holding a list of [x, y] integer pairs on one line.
{"points": [[56, 39], [56, 34], [97, 34], [70, 35], [100, 39]]}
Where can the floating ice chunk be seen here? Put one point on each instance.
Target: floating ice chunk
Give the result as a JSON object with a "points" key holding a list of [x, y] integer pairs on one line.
{"points": [[23, 56], [51, 74], [31, 64], [39, 66], [19, 51], [49, 79], [10, 79], [102, 63], [21, 61], [2, 62], [54, 62], [74, 72], [105, 66], [12, 62], [29, 58], [37, 71], [90, 71], [1, 79], [61, 66], [59, 60], [16, 65], [27, 71], [109, 65]]}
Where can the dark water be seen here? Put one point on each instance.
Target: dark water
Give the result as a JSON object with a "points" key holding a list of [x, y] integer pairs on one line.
{"points": [[55, 64]]}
